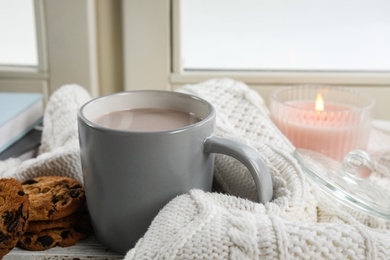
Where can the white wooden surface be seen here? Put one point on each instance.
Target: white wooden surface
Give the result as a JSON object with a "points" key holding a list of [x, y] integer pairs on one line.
{"points": [[89, 248]]}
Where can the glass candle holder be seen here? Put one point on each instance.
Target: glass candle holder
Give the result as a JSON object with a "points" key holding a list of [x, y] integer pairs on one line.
{"points": [[330, 120]]}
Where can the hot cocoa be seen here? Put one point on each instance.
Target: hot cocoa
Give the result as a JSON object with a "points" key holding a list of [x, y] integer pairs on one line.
{"points": [[147, 119]]}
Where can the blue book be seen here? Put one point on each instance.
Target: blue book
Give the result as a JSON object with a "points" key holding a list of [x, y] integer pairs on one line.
{"points": [[19, 113]]}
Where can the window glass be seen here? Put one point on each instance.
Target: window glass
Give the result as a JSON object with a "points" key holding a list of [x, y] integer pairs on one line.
{"points": [[18, 43], [284, 35]]}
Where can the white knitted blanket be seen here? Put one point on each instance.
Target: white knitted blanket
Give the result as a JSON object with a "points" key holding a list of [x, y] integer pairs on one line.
{"points": [[297, 223]]}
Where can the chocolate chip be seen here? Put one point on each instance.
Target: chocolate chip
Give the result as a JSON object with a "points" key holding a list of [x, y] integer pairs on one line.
{"points": [[7, 216], [19, 213], [64, 234], [74, 193], [27, 241], [45, 240], [4, 237], [51, 211], [13, 225], [21, 193], [55, 199], [15, 221], [28, 182]]}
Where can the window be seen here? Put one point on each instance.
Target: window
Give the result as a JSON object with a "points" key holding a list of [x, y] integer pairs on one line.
{"points": [[153, 60], [18, 32], [285, 35], [23, 65], [62, 34]]}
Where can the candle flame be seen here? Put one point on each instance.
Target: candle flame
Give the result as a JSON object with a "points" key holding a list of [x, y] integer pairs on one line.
{"points": [[319, 106]]}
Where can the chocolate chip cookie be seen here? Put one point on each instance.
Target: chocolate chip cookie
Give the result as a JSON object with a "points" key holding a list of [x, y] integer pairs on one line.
{"points": [[65, 222], [53, 197], [50, 238], [14, 205], [62, 237]]}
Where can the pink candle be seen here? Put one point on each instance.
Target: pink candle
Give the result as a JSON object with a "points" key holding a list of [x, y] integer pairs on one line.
{"points": [[331, 128]]}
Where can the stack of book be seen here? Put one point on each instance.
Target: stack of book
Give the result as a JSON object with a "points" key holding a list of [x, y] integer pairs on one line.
{"points": [[20, 120]]}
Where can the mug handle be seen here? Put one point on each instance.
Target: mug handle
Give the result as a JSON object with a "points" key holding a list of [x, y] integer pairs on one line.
{"points": [[247, 156]]}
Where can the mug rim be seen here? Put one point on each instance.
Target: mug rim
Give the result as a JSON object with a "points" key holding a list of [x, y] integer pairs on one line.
{"points": [[98, 127]]}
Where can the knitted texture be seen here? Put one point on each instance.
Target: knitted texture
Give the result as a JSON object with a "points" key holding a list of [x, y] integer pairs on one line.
{"points": [[59, 151], [242, 115], [213, 226], [298, 223]]}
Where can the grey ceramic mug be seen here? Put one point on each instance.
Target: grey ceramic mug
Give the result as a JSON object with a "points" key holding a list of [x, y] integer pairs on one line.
{"points": [[129, 176]]}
